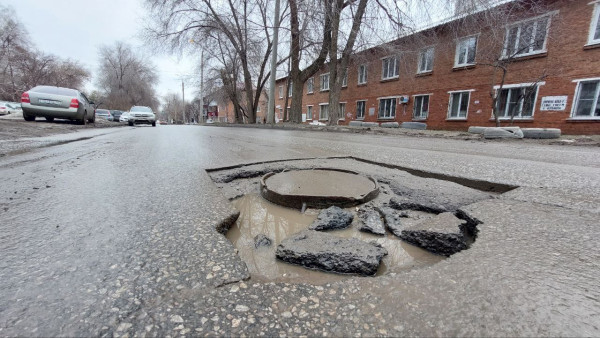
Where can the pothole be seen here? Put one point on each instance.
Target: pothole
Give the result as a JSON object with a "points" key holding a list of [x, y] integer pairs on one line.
{"points": [[392, 220], [261, 217]]}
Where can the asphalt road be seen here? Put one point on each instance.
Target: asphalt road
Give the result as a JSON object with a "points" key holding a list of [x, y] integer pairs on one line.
{"points": [[113, 233]]}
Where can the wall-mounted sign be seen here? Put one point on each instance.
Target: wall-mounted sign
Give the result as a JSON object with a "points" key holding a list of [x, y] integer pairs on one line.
{"points": [[371, 111], [554, 103]]}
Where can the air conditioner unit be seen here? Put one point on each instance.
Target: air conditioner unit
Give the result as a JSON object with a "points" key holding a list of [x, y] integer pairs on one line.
{"points": [[403, 99]]}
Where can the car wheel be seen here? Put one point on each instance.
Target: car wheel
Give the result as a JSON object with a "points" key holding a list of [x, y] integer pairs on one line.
{"points": [[154, 124], [130, 123], [83, 120], [92, 119], [49, 119], [28, 117]]}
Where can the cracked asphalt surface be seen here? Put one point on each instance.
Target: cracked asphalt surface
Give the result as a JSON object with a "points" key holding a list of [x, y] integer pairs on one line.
{"points": [[113, 234]]}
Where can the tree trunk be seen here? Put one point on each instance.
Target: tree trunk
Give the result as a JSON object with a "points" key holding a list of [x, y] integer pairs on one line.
{"points": [[298, 77]]}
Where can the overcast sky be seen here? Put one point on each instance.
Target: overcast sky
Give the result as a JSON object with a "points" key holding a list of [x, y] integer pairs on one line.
{"points": [[77, 28]]}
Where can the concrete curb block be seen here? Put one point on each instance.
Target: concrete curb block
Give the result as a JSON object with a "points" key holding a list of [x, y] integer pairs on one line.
{"points": [[355, 124], [541, 133], [390, 125], [414, 125], [476, 130], [369, 124], [502, 132]]}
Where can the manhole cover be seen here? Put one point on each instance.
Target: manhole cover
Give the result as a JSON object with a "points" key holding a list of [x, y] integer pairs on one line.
{"points": [[318, 188]]}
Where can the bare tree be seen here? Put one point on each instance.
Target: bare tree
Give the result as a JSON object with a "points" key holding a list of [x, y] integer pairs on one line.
{"points": [[126, 79], [22, 67], [243, 24], [172, 108]]}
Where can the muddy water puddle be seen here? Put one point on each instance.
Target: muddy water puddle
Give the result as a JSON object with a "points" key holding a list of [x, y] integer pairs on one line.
{"points": [[259, 216]]}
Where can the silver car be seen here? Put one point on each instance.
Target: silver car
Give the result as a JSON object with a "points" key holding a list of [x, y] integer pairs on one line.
{"points": [[141, 114], [57, 102]]}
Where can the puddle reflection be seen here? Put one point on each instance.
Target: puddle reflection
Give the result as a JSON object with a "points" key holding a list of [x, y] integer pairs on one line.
{"points": [[258, 216]]}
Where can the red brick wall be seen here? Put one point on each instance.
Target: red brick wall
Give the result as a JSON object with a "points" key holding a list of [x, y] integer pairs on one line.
{"points": [[566, 60]]}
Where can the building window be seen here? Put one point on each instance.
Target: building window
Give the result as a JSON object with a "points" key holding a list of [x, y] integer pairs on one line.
{"points": [[324, 111], [310, 85], [421, 107], [345, 78], [325, 82], [309, 112], [465, 51], [360, 109], [342, 111], [587, 97], [389, 68], [258, 108], [458, 105], [517, 102], [526, 37], [594, 36], [362, 74], [289, 90], [387, 108], [281, 92], [426, 60]]}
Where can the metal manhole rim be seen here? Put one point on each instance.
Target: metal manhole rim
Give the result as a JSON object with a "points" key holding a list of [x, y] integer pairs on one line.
{"points": [[320, 202]]}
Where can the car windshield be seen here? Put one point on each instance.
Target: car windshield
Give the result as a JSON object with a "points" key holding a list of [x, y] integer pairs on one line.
{"points": [[102, 111], [137, 109]]}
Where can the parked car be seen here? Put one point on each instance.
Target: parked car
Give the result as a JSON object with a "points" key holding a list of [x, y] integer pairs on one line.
{"points": [[124, 117], [104, 114], [141, 114], [164, 122], [116, 115], [17, 107], [5, 108], [57, 102]]}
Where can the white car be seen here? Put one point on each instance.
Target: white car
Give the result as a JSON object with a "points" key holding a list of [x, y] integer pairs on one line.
{"points": [[141, 114], [124, 117], [9, 108]]}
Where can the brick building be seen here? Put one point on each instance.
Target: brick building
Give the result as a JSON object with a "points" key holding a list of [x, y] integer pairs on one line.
{"points": [[443, 75]]}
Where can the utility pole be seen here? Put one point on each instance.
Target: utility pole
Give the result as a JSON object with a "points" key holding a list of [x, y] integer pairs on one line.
{"points": [[271, 108], [202, 84], [183, 98]]}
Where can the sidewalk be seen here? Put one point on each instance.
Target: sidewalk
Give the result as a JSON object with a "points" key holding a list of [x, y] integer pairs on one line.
{"points": [[570, 140]]}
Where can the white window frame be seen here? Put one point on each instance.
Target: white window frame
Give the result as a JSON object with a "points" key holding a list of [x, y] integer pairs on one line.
{"points": [[458, 118], [364, 109], [396, 68], [309, 108], [519, 26], [322, 77], [362, 74], [391, 117], [415, 106], [310, 86], [345, 78], [459, 42], [321, 105], [281, 92], [290, 90], [594, 24], [420, 68], [342, 112], [520, 85], [576, 99]]}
